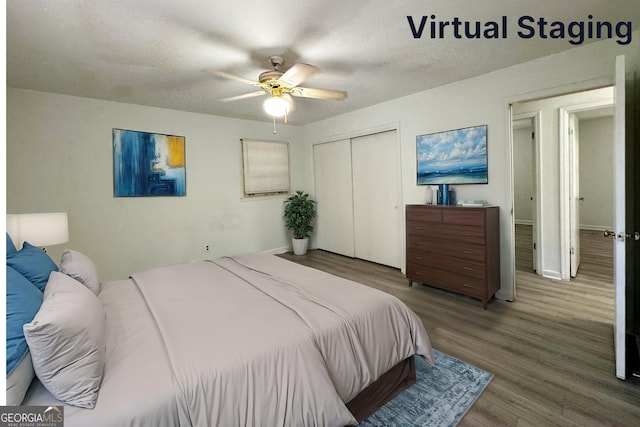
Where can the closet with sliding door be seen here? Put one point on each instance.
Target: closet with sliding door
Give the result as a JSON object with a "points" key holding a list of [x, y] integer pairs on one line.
{"points": [[357, 187]]}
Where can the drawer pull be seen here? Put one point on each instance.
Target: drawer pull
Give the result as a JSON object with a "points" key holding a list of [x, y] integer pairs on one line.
{"points": [[419, 257], [466, 234], [419, 228], [467, 285], [467, 252], [468, 268], [419, 274]]}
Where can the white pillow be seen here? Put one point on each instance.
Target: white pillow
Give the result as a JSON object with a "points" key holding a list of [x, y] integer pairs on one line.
{"points": [[19, 380], [67, 341], [81, 268]]}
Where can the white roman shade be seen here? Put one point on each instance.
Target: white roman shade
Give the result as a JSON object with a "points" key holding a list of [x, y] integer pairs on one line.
{"points": [[265, 167]]}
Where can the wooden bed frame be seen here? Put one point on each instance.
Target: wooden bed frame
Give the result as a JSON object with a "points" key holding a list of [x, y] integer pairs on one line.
{"points": [[385, 388]]}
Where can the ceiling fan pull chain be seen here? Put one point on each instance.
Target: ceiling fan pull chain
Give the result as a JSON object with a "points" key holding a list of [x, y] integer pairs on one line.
{"points": [[274, 124]]}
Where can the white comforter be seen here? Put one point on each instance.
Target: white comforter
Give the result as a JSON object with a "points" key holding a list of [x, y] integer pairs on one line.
{"points": [[246, 341]]}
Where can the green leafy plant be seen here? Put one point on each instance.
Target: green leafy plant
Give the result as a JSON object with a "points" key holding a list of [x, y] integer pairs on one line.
{"points": [[299, 212]]}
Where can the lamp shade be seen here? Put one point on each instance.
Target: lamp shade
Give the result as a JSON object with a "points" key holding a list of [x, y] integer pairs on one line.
{"points": [[43, 229], [276, 106]]}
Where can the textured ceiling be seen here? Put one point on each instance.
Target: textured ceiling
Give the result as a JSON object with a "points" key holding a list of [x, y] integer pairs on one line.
{"points": [[164, 52]]}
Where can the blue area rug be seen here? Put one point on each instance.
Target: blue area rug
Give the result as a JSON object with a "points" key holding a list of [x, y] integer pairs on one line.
{"points": [[441, 396]]}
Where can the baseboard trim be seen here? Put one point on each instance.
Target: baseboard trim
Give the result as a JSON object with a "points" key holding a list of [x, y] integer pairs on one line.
{"points": [[276, 251], [551, 275]]}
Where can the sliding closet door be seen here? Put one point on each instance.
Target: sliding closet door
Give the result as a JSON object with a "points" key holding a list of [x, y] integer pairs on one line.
{"points": [[332, 169], [376, 198]]}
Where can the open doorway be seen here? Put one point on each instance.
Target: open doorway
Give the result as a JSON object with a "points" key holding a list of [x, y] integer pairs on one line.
{"points": [[552, 207], [592, 132], [563, 179], [525, 182], [553, 254]]}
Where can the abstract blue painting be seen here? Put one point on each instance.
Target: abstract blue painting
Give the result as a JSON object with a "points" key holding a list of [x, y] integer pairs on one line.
{"points": [[453, 157], [148, 164]]}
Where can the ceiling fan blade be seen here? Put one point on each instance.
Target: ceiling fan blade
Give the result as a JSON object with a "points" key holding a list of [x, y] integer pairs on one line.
{"points": [[243, 96], [305, 92], [298, 74], [236, 78]]}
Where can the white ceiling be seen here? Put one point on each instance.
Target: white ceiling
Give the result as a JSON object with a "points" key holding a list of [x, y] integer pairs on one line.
{"points": [[163, 52]]}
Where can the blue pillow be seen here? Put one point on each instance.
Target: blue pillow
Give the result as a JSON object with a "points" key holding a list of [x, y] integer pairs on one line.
{"points": [[11, 248], [33, 263], [23, 302]]}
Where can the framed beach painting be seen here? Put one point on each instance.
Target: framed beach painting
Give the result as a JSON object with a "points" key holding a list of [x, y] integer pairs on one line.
{"points": [[148, 164], [453, 157]]}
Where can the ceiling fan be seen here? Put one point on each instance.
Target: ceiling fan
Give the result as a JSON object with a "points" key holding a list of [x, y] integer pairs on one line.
{"points": [[282, 85]]}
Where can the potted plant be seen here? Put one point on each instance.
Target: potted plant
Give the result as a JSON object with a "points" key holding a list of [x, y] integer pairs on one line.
{"points": [[299, 212]]}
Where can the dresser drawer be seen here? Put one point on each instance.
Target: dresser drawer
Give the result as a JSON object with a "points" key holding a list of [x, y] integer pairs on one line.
{"points": [[459, 266], [463, 216], [472, 286], [440, 232], [423, 214], [425, 246], [421, 228]]}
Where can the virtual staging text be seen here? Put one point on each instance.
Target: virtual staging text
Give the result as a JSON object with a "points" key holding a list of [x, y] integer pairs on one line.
{"points": [[526, 27]]}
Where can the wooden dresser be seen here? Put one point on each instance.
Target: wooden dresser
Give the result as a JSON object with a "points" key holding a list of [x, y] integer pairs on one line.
{"points": [[454, 248]]}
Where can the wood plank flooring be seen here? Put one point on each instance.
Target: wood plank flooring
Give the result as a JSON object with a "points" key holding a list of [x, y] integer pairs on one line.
{"points": [[551, 350]]}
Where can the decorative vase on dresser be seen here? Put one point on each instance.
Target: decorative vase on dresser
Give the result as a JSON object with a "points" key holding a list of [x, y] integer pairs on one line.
{"points": [[456, 248]]}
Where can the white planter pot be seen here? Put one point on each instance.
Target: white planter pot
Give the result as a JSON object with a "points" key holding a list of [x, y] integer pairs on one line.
{"points": [[300, 246]]}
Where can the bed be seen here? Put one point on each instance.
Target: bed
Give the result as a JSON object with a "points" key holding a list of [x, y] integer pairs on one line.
{"points": [[246, 340]]}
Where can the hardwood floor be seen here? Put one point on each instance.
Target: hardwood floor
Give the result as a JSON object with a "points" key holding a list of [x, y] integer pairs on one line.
{"points": [[551, 350]]}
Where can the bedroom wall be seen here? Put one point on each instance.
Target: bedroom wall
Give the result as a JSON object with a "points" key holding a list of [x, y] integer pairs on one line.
{"points": [[596, 183], [59, 158], [479, 100]]}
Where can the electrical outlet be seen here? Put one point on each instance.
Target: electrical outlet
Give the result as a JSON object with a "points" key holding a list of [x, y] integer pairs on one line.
{"points": [[207, 248]]}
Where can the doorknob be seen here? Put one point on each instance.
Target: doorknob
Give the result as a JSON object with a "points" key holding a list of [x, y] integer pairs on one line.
{"points": [[635, 235]]}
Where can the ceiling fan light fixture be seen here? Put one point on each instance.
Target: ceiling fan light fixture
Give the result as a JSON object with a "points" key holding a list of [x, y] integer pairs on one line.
{"points": [[276, 106]]}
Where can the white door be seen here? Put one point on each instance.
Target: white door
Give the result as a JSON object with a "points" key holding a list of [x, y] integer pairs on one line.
{"points": [[332, 171], [376, 198], [574, 194], [619, 216]]}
